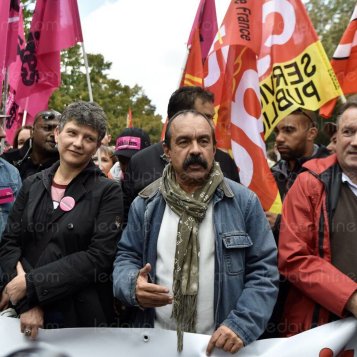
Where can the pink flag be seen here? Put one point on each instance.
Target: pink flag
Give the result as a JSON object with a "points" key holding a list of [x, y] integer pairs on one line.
{"points": [[4, 18], [55, 26], [206, 21], [63, 28], [14, 121], [12, 31]]}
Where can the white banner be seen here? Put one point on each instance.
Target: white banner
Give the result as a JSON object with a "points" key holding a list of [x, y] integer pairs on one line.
{"points": [[325, 341]]}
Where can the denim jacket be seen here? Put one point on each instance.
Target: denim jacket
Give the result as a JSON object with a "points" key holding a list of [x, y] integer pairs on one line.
{"points": [[246, 275], [9, 177]]}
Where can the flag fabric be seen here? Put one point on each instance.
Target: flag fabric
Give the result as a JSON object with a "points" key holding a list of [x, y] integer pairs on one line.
{"points": [[64, 25], [206, 22], [55, 26], [232, 76], [12, 31], [193, 73], [129, 119], [202, 34], [344, 63], [14, 121], [4, 20], [293, 67]]}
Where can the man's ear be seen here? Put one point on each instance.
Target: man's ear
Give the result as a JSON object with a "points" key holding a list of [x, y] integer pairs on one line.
{"points": [[312, 133], [166, 150], [56, 132]]}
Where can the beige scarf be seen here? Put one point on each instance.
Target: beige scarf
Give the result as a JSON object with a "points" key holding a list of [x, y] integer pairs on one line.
{"points": [[191, 209]]}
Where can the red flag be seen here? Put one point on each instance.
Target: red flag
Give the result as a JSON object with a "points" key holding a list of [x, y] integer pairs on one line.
{"points": [[233, 77], [193, 74], [344, 63], [55, 26], [129, 119]]}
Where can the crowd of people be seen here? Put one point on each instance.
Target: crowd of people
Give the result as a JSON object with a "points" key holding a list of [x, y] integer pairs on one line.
{"points": [[164, 235]]}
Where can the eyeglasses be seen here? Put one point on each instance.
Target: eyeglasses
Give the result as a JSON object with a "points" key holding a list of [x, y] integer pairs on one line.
{"points": [[49, 115], [48, 127]]}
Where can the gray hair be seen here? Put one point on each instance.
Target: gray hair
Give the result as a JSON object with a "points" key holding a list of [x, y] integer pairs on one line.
{"points": [[345, 107], [85, 113]]}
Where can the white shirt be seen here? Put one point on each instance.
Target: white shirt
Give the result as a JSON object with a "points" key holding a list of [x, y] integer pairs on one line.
{"points": [[166, 247], [351, 185]]}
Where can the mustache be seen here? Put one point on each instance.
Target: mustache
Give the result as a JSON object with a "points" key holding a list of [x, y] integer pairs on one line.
{"points": [[194, 160]]}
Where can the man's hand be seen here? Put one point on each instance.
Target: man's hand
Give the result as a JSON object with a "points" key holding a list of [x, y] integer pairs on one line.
{"points": [[351, 305], [225, 339], [271, 217], [150, 295], [4, 300], [31, 321], [16, 288]]}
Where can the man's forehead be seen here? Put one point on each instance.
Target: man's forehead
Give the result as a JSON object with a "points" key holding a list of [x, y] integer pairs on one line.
{"points": [[292, 120], [52, 121], [190, 123], [349, 115]]}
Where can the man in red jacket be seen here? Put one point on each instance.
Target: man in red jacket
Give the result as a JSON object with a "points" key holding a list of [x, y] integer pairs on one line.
{"points": [[318, 245]]}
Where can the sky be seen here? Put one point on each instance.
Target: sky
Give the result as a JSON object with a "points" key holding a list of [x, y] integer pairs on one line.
{"points": [[144, 40]]}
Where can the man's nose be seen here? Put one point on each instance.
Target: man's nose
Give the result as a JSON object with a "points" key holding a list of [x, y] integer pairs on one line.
{"points": [[279, 138], [195, 147], [354, 139]]}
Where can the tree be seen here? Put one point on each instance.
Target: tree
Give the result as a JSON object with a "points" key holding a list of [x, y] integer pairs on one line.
{"points": [[114, 97], [330, 19]]}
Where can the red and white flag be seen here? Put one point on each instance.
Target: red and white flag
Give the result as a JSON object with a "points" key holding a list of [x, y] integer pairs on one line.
{"points": [[55, 26], [202, 34], [344, 63], [233, 78]]}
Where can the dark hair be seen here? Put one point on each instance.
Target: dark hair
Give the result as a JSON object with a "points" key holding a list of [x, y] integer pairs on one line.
{"points": [[85, 113], [183, 113], [343, 108], [17, 133], [185, 97], [311, 115], [49, 114]]}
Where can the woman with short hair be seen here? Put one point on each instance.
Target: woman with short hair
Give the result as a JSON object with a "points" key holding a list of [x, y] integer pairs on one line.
{"points": [[58, 247]]}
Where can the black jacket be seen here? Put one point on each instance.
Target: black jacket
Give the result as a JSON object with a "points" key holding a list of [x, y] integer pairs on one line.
{"points": [[21, 159], [68, 256], [147, 165], [285, 178]]}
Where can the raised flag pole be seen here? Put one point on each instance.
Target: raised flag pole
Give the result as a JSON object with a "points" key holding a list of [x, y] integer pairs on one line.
{"points": [[24, 117], [4, 100], [87, 73]]}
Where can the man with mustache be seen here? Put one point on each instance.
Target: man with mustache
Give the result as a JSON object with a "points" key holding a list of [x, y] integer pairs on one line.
{"points": [[318, 246], [197, 254], [147, 165], [39, 152]]}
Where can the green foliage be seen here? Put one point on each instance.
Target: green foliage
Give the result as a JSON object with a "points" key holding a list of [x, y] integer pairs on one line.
{"points": [[330, 19], [114, 97]]}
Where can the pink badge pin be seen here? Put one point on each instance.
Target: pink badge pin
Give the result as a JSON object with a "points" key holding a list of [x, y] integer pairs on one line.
{"points": [[67, 203]]}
